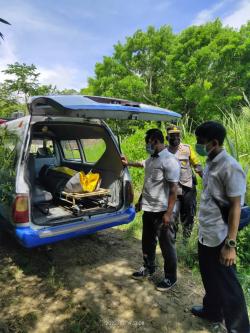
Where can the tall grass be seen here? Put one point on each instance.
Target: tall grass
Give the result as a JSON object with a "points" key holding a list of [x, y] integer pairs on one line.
{"points": [[238, 139]]}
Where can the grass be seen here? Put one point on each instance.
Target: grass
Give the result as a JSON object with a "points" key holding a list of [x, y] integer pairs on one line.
{"points": [[84, 320]]}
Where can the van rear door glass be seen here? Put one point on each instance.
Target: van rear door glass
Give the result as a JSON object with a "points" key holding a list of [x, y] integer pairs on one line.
{"points": [[93, 149]]}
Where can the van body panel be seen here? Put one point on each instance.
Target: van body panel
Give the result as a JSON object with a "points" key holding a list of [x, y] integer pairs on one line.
{"points": [[29, 237], [14, 136]]}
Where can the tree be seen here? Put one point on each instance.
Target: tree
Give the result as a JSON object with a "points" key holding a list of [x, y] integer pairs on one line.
{"points": [[44, 89], [67, 92], [24, 82], [5, 22], [206, 71], [8, 103], [200, 72], [135, 69]]}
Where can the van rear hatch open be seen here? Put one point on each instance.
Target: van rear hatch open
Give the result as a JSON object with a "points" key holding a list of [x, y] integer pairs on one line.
{"points": [[92, 107], [64, 125]]}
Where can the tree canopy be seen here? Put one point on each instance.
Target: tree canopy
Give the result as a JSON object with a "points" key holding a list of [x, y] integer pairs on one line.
{"points": [[22, 82], [200, 72]]}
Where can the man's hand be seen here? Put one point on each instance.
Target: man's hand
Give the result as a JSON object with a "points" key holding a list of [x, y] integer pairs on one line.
{"points": [[166, 219], [127, 163], [124, 160], [198, 170], [228, 256]]}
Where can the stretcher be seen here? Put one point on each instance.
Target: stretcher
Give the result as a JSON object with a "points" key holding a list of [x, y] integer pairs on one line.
{"points": [[80, 203], [73, 198]]}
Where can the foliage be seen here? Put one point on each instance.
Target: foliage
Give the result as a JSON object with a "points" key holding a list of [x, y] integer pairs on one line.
{"points": [[238, 139], [43, 90], [204, 67], [199, 72], [24, 81], [135, 69], [8, 153], [66, 92], [8, 103]]}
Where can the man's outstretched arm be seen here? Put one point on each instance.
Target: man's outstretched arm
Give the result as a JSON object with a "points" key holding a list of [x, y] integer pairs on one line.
{"points": [[127, 163]]}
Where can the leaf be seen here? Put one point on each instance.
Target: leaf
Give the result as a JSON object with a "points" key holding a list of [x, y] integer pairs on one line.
{"points": [[4, 21]]}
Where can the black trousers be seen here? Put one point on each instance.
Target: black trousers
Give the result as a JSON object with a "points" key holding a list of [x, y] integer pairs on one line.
{"points": [[154, 229], [186, 207], [224, 297]]}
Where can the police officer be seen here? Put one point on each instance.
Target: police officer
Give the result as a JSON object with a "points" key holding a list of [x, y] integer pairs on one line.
{"points": [[186, 192]]}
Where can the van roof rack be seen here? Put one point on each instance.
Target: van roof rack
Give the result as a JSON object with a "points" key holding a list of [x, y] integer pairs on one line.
{"points": [[110, 100]]}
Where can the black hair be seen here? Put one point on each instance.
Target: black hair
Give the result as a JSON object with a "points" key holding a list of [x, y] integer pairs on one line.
{"points": [[211, 130], [154, 134]]}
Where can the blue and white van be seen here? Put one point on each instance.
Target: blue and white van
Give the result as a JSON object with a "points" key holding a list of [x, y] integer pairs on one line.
{"points": [[69, 132]]}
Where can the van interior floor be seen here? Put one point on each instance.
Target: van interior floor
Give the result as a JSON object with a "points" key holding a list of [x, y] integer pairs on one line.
{"points": [[59, 215], [55, 212]]}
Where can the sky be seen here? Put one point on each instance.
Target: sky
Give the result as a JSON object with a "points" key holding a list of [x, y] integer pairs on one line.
{"points": [[64, 39]]}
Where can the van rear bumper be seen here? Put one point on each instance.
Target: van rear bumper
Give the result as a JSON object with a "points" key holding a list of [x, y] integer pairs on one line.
{"points": [[29, 237]]}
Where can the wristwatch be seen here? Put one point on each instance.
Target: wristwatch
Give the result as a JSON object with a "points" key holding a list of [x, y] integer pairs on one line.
{"points": [[231, 243]]}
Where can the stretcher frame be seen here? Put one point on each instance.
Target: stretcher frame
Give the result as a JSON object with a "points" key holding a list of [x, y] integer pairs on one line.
{"points": [[72, 198]]}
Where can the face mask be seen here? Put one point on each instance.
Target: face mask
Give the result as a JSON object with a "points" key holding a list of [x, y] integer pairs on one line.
{"points": [[174, 142], [202, 149], [150, 148]]}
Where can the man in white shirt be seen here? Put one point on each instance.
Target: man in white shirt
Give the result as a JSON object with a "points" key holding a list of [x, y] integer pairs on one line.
{"points": [[224, 186], [162, 172]]}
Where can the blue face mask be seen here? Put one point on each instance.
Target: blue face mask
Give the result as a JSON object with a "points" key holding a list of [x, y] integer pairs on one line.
{"points": [[150, 148], [201, 149]]}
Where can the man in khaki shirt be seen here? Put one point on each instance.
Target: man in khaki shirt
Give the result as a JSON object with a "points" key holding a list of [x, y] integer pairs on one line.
{"points": [[186, 192]]}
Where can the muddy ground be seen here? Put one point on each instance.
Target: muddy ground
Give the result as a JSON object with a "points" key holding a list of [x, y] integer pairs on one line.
{"points": [[84, 285]]}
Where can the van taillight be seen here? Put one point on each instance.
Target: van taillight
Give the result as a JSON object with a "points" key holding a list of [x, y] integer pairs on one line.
{"points": [[129, 193], [20, 210]]}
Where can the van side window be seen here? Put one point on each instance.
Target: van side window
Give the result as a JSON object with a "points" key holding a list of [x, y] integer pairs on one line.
{"points": [[8, 156], [93, 149], [70, 150], [42, 148]]}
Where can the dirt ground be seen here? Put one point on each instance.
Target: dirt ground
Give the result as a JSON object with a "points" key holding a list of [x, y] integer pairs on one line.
{"points": [[84, 285]]}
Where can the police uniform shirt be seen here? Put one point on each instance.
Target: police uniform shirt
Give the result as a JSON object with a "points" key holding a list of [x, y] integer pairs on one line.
{"points": [[187, 157], [223, 178], [158, 172]]}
